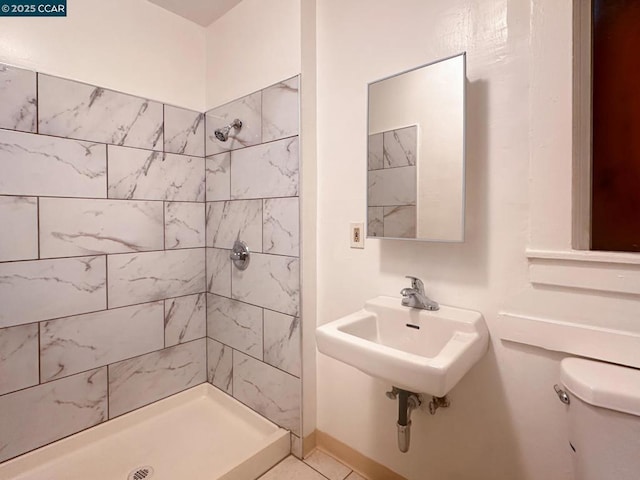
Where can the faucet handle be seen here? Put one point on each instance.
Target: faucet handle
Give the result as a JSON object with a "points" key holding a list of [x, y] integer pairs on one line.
{"points": [[416, 283]]}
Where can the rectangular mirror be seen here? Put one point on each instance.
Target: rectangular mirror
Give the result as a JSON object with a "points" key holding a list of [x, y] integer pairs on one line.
{"points": [[416, 153]]}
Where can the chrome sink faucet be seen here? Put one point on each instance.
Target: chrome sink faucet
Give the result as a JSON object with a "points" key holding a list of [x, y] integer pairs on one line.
{"points": [[415, 297]]}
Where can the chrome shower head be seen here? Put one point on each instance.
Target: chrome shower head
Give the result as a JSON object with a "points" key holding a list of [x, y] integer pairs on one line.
{"points": [[222, 134]]}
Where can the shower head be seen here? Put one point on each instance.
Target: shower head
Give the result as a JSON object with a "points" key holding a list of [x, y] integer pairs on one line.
{"points": [[222, 134]]}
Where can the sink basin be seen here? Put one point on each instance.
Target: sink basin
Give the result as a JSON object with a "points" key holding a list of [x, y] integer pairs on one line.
{"points": [[417, 350]]}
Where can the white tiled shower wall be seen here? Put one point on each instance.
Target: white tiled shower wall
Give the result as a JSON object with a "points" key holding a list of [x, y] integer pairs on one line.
{"points": [[253, 316], [103, 262]]}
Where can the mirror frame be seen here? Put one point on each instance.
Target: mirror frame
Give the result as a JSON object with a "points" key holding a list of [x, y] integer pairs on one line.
{"points": [[462, 54]]}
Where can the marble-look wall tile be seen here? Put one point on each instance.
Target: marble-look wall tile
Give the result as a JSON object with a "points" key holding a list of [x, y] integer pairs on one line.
{"points": [[282, 341], [36, 416], [267, 170], [400, 222], [185, 319], [246, 109], [400, 147], [45, 289], [183, 131], [76, 110], [184, 225], [280, 232], [375, 219], [375, 151], [235, 220], [269, 391], [39, 165], [18, 357], [145, 175], [280, 110], [74, 344], [219, 271], [220, 365], [236, 324], [139, 381], [74, 226], [218, 177], [296, 446], [18, 99], [271, 281], [392, 186], [19, 232], [145, 277]]}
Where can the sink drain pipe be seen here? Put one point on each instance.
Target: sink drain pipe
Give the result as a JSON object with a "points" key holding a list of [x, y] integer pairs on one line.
{"points": [[407, 403]]}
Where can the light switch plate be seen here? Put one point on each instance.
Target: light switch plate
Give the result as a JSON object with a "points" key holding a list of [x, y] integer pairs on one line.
{"points": [[356, 231]]}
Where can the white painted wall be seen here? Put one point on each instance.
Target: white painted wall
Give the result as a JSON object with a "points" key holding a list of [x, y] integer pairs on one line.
{"points": [[128, 45], [505, 422], [255, 44]]}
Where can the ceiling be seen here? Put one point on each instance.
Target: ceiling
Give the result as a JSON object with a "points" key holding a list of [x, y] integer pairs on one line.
{"points": [[202, 12]]}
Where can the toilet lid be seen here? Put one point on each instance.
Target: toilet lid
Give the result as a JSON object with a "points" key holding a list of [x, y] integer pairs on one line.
{"points": [[602, 384]]}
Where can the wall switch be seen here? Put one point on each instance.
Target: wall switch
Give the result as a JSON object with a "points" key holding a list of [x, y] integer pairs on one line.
{"points": [[357, 235]]}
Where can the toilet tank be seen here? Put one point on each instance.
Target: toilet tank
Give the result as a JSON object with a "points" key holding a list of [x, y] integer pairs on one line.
{"points": [[604, 419]]}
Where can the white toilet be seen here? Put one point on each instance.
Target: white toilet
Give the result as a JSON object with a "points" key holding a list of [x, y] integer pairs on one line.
{"points": [[604, 419]]}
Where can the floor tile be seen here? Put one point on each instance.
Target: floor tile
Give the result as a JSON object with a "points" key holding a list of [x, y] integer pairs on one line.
{"points": [[355, 476], [327, 466], [292, 469]]}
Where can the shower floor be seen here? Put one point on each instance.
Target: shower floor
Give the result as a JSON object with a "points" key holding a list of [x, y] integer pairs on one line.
{"points": [[201, 434]]}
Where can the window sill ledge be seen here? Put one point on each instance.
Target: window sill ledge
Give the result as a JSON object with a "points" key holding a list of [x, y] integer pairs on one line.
{"points": [[584, 270]]}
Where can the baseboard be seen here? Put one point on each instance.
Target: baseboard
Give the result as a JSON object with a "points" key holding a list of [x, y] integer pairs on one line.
{"points": [[309, 443], [358, 462]]}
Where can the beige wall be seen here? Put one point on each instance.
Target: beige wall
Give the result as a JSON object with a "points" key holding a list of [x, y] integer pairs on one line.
{"points": [[130, 46], [255, 44], [504, 422]]}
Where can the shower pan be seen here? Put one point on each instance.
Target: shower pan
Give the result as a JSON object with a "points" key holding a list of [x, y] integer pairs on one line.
{"points": [[201, 433]]}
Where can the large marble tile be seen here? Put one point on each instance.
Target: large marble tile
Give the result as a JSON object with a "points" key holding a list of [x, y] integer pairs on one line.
{"points": [[40, 165], [39, 415], [282, 341], [375, 151], [292, 469], [280, 110], [392, 187], [18, 99], [219, 271], [145, 175], [184, 225], [145, 277], [271, 281], [18, 357], [220, 365], [19, 232], [267, 170], [74, 226], [183, 131], [375, 221], [246, 109], [218, 177], [296, 446], [45, 289], [400, 222], [281, 229], [400, 147], [139, 381], [269, 391], [236, 324], [77, 110], [185, 319], [235, 220], [75, 344]]}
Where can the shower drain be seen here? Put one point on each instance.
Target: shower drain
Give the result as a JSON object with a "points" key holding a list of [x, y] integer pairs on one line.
{"points": [[141, 473]]}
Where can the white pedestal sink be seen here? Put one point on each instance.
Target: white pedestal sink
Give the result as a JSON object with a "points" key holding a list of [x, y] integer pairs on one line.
{"points": [[417, 350]]}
